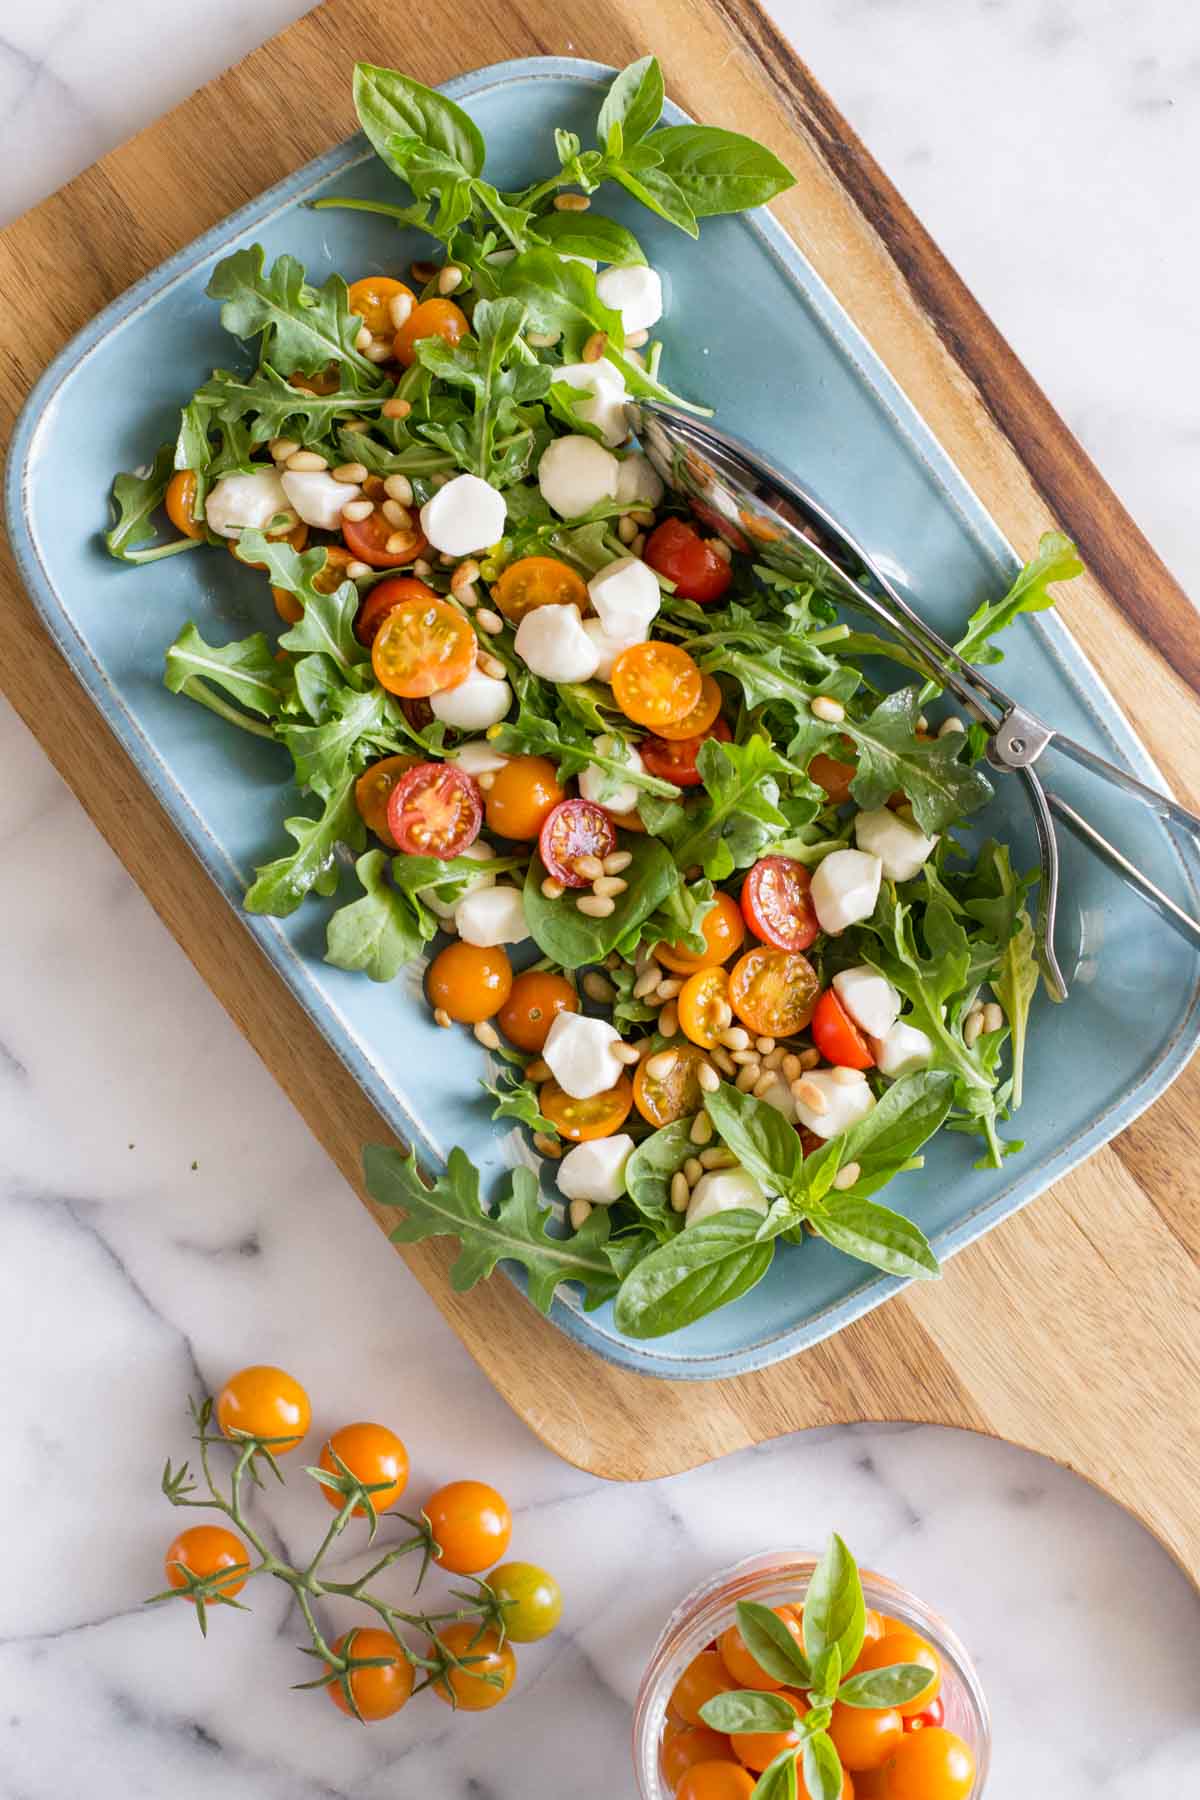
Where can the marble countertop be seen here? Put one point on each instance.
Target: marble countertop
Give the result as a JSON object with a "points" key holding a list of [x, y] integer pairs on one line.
{"points": [[156, 1237]]}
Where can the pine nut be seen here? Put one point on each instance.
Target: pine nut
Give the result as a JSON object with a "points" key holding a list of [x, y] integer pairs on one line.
{"points": [[668, 1020], [825, 707], [748, 1076], [846, 1177], [844, 1077], [764, 1044], [723, 1060], [790, 1068], [487, 1035], [547, 1145], [646, 959], [735, 1038], [378, 353], [635, 339], [422, 568], [542, 340], [588, 866], [744, 1057], [364, 340], [396, 409], [399, 308], [397, 515], [571, 203], [399, 543], [467, 596], [681, 1193], [718, 1158], [355, 510], [491, 665], [398, 487], [450, 280], [351, 473], [354, 425], [723, 1013], [638, 545], [701, 1132], [596, 988], [596, 906], [356, 570], [810, 1095], [579, 1212], [490, 621], [441, 1017], [993, 1016], [465, 574], [609, 884], [973, 1027], [487, 780], [646, 984], [627, 1054], [595, 347], [720, 548], [949, 726], [304, 460], [643, 516], [282, 448], [423, 272], [922, 722], [617, 862], [669, 988], [614, 960], [553, 890], [626, 529], [764, 1084], [537, 1070], [774, 1058], [693, 1168], [809, 1059], [708, 1078], [660, 1066]]}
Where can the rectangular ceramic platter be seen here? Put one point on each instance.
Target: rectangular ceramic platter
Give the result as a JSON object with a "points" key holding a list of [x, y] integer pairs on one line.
{"points": [[751, 330]]}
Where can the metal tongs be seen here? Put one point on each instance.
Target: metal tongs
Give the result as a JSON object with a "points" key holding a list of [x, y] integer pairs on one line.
{"points": [[753, 504]]}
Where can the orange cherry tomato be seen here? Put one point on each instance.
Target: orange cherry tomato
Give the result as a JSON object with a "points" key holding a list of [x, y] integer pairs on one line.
{"points": [[326, 581], [525, 791], [758, 1749], [723, 928], [744, 1671], [180, 502], [933, 1764], [701, 717], [677, 1094], [264, 1402], [367, 541], [372, 1454], [536, 1000], [873, 1630], [834, 776], [373, 790], [429, 318], [803, 1791], [296, 536], [383, 599], [469, 981], [466, 1688], [674, 759], [704, 1678], [656, 684], [423, 646], [703, 1003], [773, 991], [683, 1747], [326, 381], [534, 581], [380, 1689], [472, 1525], [371, 298], [584, 1120], [904, 1646], [720, 1780], [206, 1550], [836, 1035], [864, 1737]]}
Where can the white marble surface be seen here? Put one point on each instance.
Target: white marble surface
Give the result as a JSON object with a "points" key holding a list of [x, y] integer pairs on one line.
{"points": [[156, 1235]]}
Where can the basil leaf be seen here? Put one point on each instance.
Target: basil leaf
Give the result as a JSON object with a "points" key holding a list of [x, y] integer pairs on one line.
{"points": [[246, 670], [306, 328], [589, 234], [572, 939], [822, 1768], [750, 1711], [705, 1267], [280, 886], [835, 1612], [390, 104], [759, 1136], [875, 1689], [826, 1672], [720, 171], [772, 1645], [876, 1235], [377, 934], [561, 296], [778, 1779], [136, 498], [650, 1168], [657, 190], [634, 102], [907, 1116]]}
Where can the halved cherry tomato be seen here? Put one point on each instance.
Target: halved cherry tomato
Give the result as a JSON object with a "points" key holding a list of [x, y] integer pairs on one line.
{"points": [[327, 580], [534, 581], [584, 1120], [704, 1011], [485, 1656], [372, 1454], [934, 1714], [383, 599], [207, 1550], [904, 1646], [834, 776], [373, 790], [773, 991], [684, 1748], [180, 502], [422, 647], [723, 929], [677, 1093], [758, 1749], [265, 1402], [522, 796], [367, 541], [716, 1781], [371, 298], [836, 1035], [704, 1678], [745, 1671], [775, 903], [429, 318], [864, 1737], [296, 536], [655, 684], [379, 1689], [933, 1764], [326, 381], [575, 828], [435, 809], [675, 759], [702, 715], [536, 1000], [676, 549], [472, 1526], [469, 982]]}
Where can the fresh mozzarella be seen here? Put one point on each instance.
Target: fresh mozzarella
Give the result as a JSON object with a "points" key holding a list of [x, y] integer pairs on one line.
{"points": [[605, 409], [635, 292], [626, 596], [846, 1101], [869, 998], [445, 909], [725, 1190], [239, 501], [477, 758], [902, 1050], [579, 1054], [596, 1171], [901, 848], [318, 498], [475, 703], [779, 1095], [596, 784], [492, 915], [551, 641], [638, 481], [608, 648], [575, 474], [467, 514], [845, 889]]}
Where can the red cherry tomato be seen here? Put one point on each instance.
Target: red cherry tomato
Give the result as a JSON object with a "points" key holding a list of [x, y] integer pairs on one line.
{"points": [[367, 541], [435, 810], [836, 1035], [934, 1714], [677, 761], [775, 903], [384, 598], [676, 549], [573, 829]]}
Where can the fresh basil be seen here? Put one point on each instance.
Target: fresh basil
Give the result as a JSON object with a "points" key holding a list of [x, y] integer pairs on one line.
{"points": [[772, 1645], [633, 103], [822, 1768], [391, 105], [778, 1780], [835, 1612], [875, 1689], [650, 1168], [759, 1136], [750, 1710], [705, 1267], [590, 234], [719, 171], [571, 938]]}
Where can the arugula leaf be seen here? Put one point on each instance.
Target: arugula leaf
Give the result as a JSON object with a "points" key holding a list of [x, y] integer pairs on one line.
{"points": [[759, 1136], [305, 328], [377, 934], [275, 407], [771, 1644], [327, 623], [280, 886], [1056, 559], [940, 785], [719, 171], [751, 1710], [573, 940], [325, 753], [519, 1100], [704, 1267], [246, 670], [634, 103], [997, 901], [136, 498], [498, 393], [393, 105], [590, 234], [741, 815]]}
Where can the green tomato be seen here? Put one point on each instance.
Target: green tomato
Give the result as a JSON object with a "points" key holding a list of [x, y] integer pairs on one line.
{"points": [[532, 1600]]}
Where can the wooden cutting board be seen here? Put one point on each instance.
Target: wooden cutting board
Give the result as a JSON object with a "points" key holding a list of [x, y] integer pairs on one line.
{"points": [[1072, 1329]]}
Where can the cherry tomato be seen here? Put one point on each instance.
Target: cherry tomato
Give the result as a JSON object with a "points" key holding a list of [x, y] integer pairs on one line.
{"points": [[873, 1625], [180, 502], [656, 684], [423, 646], [206, 1550], [383, 599], [372, 1454], [836, 1035], [264, 1402], [373, 790], [934, 1714], [864, 1737], [692, 1744], [326, 581], [723, 930], [702, 716], [904, 1646], [745, 1672], [718, 523], [677, 1094], [932, 1764], [675, 759], [704, 1678], [326, 381], [758, 1749], [575, 828], [371, 298], [429, 318], [773, 991], [676, 549], [834, 776], [294, 535], [718, 1780], [525, 791], [472, 1525], [584, 1120], [486, 1656], [469, 981], [367, 541], [435, 809], [803, 1791], [536, 1000], [775, 903], [531, 1598], [704, 1011], [380, 1689], [534, 581]]}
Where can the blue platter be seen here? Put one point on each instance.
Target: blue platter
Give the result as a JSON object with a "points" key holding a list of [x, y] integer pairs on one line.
{"points": [[751, 330]]}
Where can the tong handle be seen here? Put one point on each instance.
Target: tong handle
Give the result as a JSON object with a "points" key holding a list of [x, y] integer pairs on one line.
{"points": [[1158, 802], [1187, 927]]}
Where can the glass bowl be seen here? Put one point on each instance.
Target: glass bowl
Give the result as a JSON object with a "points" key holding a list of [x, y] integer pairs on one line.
{"points": [[772, 1578]]}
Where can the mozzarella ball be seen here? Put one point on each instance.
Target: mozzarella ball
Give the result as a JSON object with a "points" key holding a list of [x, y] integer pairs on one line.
{"points": [[901, 847], [445, 909], [596, 1171], [636, 293], [725, 1190], [626, 596], [492, 915], [317, 497], [575, 474], [638, 481], [844, 889], [551, 641], [466, 514], [594, 782], [846, 1102], [608, 648], [779, 1095], [902, 1051], [605, 409], [476, 702], [236, 502], [579, 1054], [871, 1000], [477, 758]]}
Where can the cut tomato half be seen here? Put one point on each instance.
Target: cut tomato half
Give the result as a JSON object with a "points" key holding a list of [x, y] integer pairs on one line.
{"points": [[435, 809], [773, 992], [675, 759], [572, 829], [836, 1035], [776, 904], [655, 684], [423, 646]]}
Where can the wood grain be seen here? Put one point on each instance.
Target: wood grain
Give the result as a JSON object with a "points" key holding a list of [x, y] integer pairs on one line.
{"points": [[1073, 1328]]}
